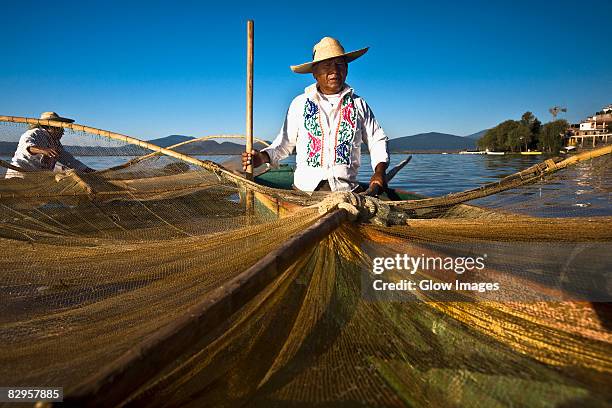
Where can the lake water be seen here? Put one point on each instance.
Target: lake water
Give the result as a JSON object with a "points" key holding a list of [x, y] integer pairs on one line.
{"points": [[581, 190]]}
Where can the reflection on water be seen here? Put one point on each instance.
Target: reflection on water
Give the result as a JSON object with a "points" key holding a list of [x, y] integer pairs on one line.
{"points": [[582, 190]]}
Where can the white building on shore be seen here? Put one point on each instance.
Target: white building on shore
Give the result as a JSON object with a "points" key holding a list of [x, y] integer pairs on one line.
{"points": [[596, 129]]}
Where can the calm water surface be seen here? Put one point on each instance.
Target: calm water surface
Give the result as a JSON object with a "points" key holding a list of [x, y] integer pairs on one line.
{"points": [[582, 190]]}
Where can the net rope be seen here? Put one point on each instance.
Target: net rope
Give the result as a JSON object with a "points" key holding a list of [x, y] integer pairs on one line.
{"points": [[96, 264]]}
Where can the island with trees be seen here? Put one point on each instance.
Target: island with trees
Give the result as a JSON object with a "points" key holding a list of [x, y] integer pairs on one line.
{"points": [[526, 134]]}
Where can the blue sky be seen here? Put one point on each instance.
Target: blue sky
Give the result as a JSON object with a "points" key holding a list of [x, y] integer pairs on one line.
{"points": [[149, 69]]}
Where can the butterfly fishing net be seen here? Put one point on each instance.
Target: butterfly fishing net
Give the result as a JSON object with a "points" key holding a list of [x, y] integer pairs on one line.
{"points": [[170, 280]]}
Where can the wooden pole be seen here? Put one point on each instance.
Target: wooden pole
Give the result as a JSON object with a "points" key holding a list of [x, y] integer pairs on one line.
{"points": [[249, 95], [249, 196]]}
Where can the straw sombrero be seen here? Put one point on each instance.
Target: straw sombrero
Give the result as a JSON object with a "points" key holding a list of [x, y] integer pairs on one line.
{"points": [[54, 116], [325, 49]]}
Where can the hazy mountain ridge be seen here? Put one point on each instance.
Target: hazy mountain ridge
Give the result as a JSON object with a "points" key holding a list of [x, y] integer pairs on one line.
{"points": [[204, 147], [422, 142], [477, 135], [170, 140], [431, 141]]}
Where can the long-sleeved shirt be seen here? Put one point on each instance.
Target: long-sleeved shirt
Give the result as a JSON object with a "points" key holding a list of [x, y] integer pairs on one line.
{"points": [[327, 132], [39, 137]]}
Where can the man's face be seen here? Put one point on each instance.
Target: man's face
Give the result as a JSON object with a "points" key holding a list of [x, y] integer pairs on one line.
{"points": [[330, 74]]}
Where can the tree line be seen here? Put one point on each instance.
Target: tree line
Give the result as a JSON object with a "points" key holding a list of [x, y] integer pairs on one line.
{"points": [[528, 133]]}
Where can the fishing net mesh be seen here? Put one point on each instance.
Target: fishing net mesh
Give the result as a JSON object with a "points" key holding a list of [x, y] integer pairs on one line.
{"points": [[96, 264]]}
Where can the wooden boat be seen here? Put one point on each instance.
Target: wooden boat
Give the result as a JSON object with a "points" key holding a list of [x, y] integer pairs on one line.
{"points": [[282, 178]]}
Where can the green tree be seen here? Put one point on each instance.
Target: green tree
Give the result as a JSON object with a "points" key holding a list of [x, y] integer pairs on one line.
{"points": [[503, 136], [535, 127], [488, 140], [518, 137], [551, 136], [528, 118], [497, 138], [530, 121]]}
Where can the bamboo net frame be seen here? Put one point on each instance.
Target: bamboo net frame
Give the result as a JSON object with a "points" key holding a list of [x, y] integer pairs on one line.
{"points": [[174, 146], [521, 178], [527, 176], [219, 170]]}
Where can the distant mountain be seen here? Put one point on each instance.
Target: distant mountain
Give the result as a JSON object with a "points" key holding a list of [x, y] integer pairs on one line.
{"points": [[431, 142], [213, 147], [9, 148], [203, 147], [170, 140], [423, 142], [128, 150], [477, 135]]}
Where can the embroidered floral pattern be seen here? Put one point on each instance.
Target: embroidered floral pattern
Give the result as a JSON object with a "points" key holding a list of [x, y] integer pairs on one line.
{"points": [[346, 131], [314, 148], [315, 143]]}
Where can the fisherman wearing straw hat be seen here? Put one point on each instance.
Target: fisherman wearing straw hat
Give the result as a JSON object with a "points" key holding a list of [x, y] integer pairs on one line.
{"points": [[40, 149], [326, 125]]}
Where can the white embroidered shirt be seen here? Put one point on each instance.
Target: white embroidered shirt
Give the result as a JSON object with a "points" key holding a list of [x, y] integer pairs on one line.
{"points": [[327, 132]]}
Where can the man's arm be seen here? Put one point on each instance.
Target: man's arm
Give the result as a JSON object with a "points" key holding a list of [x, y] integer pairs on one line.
{"points": [[45, 151], [379, 178], [254, 157], [281, 147], [32, 141], [376, 139]]}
